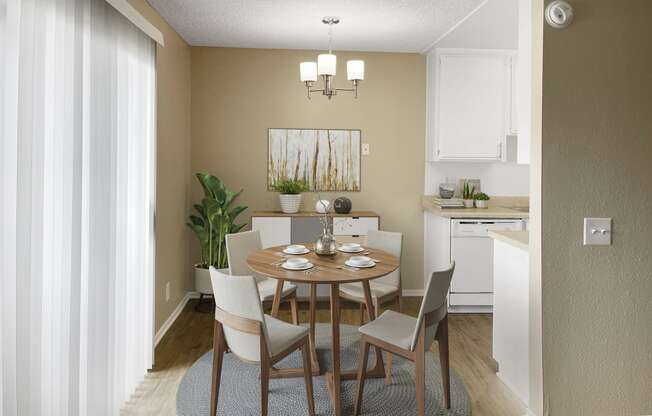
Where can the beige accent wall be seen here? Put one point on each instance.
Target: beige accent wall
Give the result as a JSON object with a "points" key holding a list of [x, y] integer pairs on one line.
{"points": [[597, 161], [173, 165], [237, 94]]}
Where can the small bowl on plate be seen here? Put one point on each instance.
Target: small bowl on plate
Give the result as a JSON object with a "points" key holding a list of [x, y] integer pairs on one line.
{"points": [[359, 261], [296, 262], [296, 249], [350, 247]]}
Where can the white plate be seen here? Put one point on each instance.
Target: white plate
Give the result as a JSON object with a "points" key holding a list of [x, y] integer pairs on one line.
{"points": [[361, 266], [305, 251], [303, 267], [359, 250]]}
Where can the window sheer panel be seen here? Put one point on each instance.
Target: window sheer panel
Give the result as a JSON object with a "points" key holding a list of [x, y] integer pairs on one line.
{"points": [[77, 206]]}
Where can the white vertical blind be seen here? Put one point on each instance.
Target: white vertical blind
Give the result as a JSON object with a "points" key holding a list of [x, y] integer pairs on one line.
{"points": [[77, 114]]}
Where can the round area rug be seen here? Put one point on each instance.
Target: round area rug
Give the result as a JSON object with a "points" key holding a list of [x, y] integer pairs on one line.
{"points": [[240, 385]]}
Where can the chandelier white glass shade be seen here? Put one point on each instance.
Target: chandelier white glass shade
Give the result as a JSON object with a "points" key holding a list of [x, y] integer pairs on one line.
{"points": [[326, 68]]}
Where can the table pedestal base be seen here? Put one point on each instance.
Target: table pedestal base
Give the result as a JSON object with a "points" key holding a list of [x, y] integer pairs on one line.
{"points": [[334, 378]]}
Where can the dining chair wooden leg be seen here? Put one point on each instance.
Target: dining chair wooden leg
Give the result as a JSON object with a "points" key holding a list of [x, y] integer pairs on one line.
{"points": [[264, 376], [362, 372], [388, 369], [420, 373], [264, 388], [218, 356], [295, 311], [444, 359], [335, 328], [361, 314], [307, 375]]}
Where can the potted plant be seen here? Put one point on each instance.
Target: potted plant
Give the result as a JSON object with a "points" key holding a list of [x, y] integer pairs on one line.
{"points": [[290, 194], [214, 220], [467, 195], [481, 200]]}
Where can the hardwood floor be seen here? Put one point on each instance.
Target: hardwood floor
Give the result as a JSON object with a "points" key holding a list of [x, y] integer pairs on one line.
{"points": [[191, 336]]}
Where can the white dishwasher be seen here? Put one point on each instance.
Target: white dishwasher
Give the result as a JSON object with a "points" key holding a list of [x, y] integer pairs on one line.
{"points": [[473, 252]]}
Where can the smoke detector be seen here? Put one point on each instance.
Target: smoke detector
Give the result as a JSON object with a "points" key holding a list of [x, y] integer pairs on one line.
{"points": [[559, 14]]}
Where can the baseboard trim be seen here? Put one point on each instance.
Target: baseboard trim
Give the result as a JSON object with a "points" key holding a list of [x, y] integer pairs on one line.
{"points": [[412, 292], [173, 316]]}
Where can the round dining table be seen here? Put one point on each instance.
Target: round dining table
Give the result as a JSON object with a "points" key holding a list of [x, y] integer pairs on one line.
{"points": [[330, 271]]}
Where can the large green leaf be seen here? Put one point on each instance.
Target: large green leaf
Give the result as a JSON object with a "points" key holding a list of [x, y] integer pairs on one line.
{"points": [[235, 228], [236, 211], [197, 220]]}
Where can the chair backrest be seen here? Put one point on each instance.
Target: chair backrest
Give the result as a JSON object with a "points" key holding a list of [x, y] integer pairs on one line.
{"points": [[434, 303], [392, 243], [238, 248], [238, 295]]}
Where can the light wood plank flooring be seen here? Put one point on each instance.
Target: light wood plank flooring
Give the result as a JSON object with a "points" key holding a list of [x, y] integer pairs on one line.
{"points": [[191, 336]]}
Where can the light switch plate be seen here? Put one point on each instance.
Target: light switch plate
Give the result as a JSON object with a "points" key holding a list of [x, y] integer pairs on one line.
{"points": [[597, 231], [365, 149]]}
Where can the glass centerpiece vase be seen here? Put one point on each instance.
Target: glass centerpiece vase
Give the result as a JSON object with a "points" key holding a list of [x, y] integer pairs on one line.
{"points": [[326, 245]]}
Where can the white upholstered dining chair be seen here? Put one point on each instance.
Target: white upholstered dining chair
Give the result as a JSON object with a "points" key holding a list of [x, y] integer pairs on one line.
{"points": [[242, 327], [386, 288], [238, 247], [411, 337]]}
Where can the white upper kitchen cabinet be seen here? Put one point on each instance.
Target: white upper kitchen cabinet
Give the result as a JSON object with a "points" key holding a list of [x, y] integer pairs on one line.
{"points": [[469, 104]]}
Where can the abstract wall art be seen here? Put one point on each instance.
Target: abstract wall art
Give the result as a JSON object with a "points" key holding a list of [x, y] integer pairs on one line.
{"points": [[327, 160]]}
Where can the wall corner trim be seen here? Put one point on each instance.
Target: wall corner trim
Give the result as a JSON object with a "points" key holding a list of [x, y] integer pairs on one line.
{"points": [[452, 28], [173, 316], [127, 10]]}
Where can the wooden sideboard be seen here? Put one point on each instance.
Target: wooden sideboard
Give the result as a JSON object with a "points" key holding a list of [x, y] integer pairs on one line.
{"points": [[277, 228]]}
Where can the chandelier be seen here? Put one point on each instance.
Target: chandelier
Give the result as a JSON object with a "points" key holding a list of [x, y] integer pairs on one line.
{"points": [[326, 66]]}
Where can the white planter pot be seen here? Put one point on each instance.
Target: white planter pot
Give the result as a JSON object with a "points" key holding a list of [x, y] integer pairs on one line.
{"points": [[481, 204], [290, 203], [468, 203], [203, 280]]}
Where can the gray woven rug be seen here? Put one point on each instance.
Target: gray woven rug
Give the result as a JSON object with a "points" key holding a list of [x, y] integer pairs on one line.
{"points": [[240, 386]]}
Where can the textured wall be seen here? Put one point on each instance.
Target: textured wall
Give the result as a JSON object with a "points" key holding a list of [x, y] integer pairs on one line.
{"points": [[237, 94], [597, 153], [173, 165]]}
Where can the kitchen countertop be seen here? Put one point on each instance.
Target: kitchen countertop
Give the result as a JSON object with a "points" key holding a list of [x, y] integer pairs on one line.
{"points": [[496, 211], [520, 239]]}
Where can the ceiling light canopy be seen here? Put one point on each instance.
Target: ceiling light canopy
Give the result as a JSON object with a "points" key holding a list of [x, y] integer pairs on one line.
{"points": [[326, 68]]}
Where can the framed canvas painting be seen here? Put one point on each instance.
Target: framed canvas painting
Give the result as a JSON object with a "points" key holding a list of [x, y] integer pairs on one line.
{"points": [[326, 160]]}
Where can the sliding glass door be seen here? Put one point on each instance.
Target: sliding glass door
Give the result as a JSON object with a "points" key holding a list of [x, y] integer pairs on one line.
{"points": [[77, 207]]}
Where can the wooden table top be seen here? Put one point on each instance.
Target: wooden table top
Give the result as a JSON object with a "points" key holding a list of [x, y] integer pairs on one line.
{"points": [[328, 270]]}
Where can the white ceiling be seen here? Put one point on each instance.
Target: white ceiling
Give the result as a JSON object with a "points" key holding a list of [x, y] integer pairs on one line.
{"points": [[366, 25]]}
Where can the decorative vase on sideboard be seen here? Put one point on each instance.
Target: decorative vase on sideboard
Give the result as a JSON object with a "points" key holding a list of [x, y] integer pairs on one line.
{"points": [[290, 203]]}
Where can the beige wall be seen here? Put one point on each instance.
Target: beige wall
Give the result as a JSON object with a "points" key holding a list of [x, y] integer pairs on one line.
{"points": [[237, 94], [173, 165], [597, 161]]}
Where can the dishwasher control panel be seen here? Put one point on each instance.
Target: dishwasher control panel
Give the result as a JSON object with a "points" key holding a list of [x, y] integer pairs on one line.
{"points": [[481, 227]]}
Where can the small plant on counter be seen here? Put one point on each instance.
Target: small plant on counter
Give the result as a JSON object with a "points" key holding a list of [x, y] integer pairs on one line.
{"points": [[481, 200], [290, 194], [467, 195]]}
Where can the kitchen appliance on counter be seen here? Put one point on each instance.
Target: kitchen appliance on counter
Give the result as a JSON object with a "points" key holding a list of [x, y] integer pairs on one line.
{"points": [[472, 250]]}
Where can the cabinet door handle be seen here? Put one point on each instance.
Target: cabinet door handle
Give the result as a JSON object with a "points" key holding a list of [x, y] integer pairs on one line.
{"points": [[500, 150]]}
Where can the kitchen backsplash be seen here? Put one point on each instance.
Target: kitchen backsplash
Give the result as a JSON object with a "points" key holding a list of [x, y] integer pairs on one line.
{"points": [[506, 179]]}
